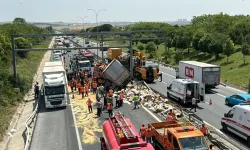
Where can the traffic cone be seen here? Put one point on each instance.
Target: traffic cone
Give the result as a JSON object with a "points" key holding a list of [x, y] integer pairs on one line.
{"points": [[73, 96], [210, 101]]}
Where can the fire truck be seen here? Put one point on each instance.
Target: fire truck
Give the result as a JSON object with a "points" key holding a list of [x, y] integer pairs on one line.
{"points": [[119, 134]]}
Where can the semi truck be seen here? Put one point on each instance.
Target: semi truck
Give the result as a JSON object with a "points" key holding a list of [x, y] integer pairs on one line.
{"points": [[173, 135], [54, 88], [119, 133], [116, 73], [207, 75]]}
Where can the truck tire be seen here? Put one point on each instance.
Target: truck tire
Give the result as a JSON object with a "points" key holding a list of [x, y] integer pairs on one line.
{"points": [[248, 140]]}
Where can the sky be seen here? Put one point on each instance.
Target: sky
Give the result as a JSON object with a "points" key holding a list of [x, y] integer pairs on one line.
{"points": [[117, 10]]}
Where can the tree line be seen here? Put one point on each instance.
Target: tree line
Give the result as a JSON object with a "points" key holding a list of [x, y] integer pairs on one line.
{"points": [[219, 34], [18, 26]]}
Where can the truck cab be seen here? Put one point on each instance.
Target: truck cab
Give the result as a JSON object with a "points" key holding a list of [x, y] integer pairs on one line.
{"points": [[84, 65], [183, 90], [172, 135], [54, 86]]}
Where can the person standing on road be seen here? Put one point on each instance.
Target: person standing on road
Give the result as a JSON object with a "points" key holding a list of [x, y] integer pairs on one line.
{"points": [[121, 98], [204, 129], [99, 108], [136, 101], [143, 132], [148, 135], [86, 90], [94, 86], [82, 90], [194, 104], [89, 103], [36, 90], [110, 109]]}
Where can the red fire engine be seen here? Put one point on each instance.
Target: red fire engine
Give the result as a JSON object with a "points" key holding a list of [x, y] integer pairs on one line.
{"points": [[119, 134]]}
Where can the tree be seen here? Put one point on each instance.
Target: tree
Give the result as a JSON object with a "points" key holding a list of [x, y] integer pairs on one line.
{"points": [[140, 47], [5, 46], [244, 51], [19, 21], [150, 47], [22, 43], [228, 48]]}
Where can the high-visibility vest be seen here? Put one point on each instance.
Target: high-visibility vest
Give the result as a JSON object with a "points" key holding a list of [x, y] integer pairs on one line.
{"points": [[204, 130], [82, 89], [143, 131], [110, 92], [89, 102], [109, 107], [79, 85], [94, 85], [86, 87], [148, 133]]}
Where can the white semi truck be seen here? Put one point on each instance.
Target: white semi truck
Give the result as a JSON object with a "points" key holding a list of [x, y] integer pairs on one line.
{"points": [[54, 86], [207, 75]]}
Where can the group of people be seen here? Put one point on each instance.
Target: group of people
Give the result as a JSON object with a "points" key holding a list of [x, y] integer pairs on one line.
{"points": [[146, 133]]}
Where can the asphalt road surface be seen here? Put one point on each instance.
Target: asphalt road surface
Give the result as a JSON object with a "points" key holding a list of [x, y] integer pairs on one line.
{"points": [[55, 129], [210, 113], [138, 116]]}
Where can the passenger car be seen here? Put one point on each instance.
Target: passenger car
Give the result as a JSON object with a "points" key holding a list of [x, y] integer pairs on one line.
{"points": [[237, 99]]}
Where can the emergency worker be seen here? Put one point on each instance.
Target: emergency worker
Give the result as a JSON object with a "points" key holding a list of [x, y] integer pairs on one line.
{"points": [[136, 101], [171, 113], [94, 86], [36, 90], [82, 90], [121, 98], [204, 129], [79, 86], [72, 86], [89, 103], [149, 134], [143, 132], [99, 108], [110, 109], [86, 90]]}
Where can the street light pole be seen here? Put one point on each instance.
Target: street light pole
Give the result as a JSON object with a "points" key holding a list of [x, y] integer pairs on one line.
{"points": [[83, 28], [96, 15]]}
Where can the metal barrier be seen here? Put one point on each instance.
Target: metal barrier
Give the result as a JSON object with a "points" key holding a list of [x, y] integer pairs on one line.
{"points": [[30, 126]]}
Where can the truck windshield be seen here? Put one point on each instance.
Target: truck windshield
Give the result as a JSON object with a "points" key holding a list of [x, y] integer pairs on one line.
{"points": [[54, 90], [87, 64], [191, 143]]}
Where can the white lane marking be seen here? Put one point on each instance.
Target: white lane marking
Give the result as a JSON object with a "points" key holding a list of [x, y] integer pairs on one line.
{"points": [[154, 116], [74, 118]]}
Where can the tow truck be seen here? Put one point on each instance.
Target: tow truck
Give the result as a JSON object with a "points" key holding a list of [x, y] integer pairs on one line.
{"points": [[119, 133]]}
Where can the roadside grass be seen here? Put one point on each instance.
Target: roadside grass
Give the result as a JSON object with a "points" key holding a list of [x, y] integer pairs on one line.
{"points": [[26, 69]]}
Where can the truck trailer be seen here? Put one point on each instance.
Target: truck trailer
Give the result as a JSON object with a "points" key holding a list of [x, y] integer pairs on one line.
{"points": [[54, 86], [207, 75], [119, 133], [173, 135]]}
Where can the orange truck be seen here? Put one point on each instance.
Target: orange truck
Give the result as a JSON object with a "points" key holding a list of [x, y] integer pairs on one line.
{"points": [[172, 135], [114, 53]]}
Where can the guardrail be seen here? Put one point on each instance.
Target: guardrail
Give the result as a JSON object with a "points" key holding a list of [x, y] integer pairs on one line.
{"points": [[30, 124]]}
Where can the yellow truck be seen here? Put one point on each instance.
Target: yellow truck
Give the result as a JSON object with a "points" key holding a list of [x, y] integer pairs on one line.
{"points": [[113, 53]]}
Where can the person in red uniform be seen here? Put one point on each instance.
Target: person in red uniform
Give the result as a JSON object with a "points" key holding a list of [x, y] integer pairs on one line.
{"points": [[111, 92], [143, 132], [149, 134], [204, 129]]}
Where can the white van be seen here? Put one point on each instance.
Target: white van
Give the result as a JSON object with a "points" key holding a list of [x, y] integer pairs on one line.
{"points": [[183, 90], [237, 121]]}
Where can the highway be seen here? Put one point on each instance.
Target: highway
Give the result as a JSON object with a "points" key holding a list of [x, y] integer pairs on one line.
{"points": [[55, 129], [127, 110], [210, 113]]}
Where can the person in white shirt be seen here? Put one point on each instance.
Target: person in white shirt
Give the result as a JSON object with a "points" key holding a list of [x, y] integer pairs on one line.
{"points": [[194, 104]]}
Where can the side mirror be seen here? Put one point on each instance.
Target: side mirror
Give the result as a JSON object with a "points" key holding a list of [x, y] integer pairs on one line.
{"points": [[225, 114]]}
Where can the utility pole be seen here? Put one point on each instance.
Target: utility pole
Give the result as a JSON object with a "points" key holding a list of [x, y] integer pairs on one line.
{"points": [[83, 27], [96, 15]]}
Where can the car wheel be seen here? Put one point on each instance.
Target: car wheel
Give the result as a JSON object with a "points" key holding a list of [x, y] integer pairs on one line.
{"points": [[227, 102]]}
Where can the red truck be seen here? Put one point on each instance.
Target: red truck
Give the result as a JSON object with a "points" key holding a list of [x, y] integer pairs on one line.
{"points": [[119, 133]]}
